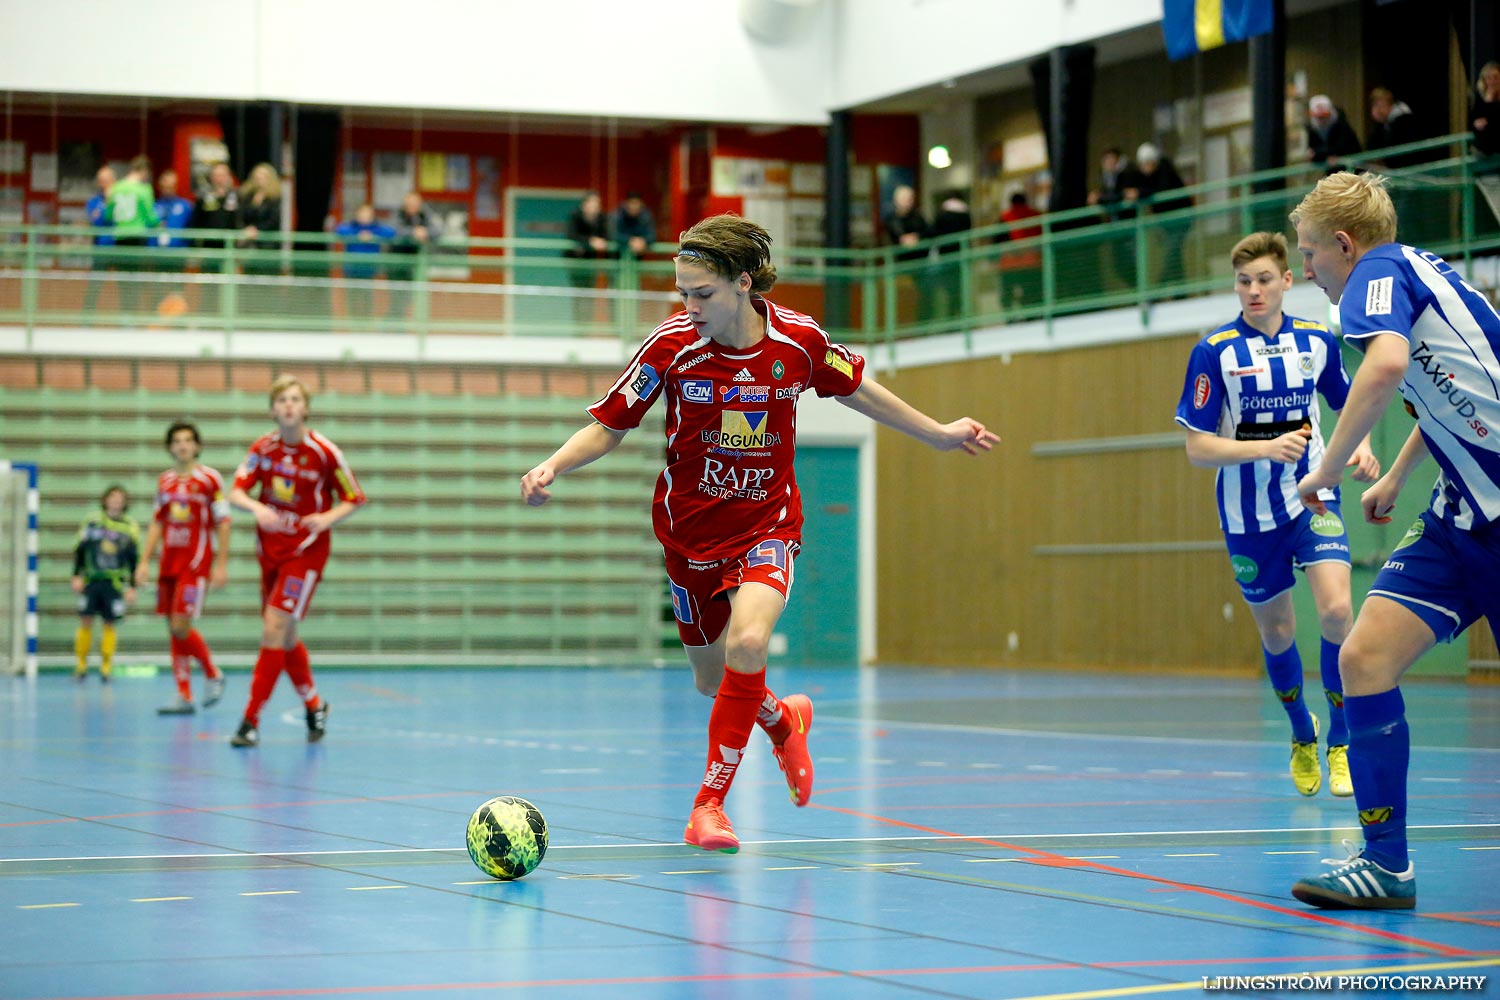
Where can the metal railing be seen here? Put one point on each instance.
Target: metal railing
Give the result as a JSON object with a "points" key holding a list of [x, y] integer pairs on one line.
{"points": [[1084, 260]]}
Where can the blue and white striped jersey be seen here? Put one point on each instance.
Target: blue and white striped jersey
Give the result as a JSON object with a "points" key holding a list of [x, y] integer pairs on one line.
{"points": [[1242, 384], [1452, 379]]}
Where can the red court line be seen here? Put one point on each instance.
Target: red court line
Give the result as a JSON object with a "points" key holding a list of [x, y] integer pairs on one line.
{"points": [[1052, 860], [749, 977]]}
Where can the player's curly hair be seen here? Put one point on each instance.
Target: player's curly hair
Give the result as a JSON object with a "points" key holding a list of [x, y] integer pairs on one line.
{"points": [[182, 425], [1258, 245], [728, 245], [1357, 204]]}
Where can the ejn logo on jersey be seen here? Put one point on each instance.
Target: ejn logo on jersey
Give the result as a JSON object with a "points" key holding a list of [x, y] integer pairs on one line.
{"points": [[742, 429]]}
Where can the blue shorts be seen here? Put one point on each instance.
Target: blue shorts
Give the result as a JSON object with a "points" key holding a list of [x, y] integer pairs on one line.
{"points": [[1263, 560], [1445, 576]]}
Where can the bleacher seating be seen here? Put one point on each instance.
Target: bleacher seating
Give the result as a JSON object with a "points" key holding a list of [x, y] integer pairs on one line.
{"points": [[445, 561]]}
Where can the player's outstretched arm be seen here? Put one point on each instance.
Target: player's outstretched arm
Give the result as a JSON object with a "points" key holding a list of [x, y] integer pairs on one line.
{"points": [[1379, 500], [588, 444], [885, 407]]}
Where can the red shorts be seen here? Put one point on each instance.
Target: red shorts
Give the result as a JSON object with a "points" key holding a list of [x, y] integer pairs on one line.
{"points": [[700, 590], [181, 595], [288, 586]]}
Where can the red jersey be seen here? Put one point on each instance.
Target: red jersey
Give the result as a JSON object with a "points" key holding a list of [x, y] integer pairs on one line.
{"points": [[731, 427], [187, 508], [296, 480]]}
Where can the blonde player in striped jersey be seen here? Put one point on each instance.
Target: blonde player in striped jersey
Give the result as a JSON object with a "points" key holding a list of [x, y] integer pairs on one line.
{"points": [[190, 505], [1250, 407]]}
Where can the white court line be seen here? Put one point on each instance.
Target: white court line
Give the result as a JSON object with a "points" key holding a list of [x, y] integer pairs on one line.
{"points": [[822, 841]]}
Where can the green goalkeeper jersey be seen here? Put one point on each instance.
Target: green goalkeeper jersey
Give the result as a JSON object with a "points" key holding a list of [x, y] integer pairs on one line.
{"points": [[132, 208], [107, 549]]}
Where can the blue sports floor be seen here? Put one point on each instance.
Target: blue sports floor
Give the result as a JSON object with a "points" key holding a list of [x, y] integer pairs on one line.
{"points": [[973, 834]]}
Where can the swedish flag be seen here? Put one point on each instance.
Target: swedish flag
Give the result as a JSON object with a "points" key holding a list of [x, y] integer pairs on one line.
{"points": [[1198, 25]]}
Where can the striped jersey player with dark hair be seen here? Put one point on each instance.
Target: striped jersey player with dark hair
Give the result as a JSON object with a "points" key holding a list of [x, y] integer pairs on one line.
{"points": [[730, 368], [1428, 333], [191, 506], [1250, 407], [304, 488]]}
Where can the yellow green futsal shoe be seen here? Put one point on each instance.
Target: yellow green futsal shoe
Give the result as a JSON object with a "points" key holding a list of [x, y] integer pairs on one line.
{"points": [[1339, 782], [1306, 774]]}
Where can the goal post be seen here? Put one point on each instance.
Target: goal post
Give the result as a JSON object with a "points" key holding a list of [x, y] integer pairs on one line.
{"points": [[19, 504]]}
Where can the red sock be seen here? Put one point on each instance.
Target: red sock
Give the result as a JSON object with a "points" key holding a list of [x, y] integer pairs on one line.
{"points": [[774, 719], [268, 667], [300, 671], [182, 668], [198, 650], [729, 725]]}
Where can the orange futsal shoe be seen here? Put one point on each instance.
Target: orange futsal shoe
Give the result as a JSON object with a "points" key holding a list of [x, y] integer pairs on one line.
{"points": [[708, 828], [796, 763]]}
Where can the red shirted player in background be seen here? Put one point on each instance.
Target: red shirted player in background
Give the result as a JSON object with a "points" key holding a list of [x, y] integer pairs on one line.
{"points": [[306, 488], [726, 510], [190, 503]]}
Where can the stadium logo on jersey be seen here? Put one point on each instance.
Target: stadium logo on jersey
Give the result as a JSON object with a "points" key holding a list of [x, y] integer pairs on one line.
{"points": [[1271, 350], [1305, 365], [284, 490], [746, 393], [1245, 569], [1327, 524], [789, 391], [643, 384], [1378, 297], [1445, 381], [778, 370], [696, 390], [1201, 388], [833, 359], [743, 375], [742, 429]]}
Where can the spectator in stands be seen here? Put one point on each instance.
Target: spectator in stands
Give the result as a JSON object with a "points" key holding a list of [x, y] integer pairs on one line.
{"points": [[1020, 270], [132, 211], [217, 208], [418, 229], [98, 217], [1392, 124], [635, 227], [1329, 134], [176, 215], [1148, 182], [953, 218], [1109, 198], [1484, 113], [589, 234], [104, 560], [362, 235], [905, 226], [260, 228]]}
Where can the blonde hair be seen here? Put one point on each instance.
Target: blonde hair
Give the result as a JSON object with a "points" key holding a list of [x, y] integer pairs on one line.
{"points": [[727, 245], [1258, 245], [1479, 80], [1357, 204], [263, 178], [285, 382]]}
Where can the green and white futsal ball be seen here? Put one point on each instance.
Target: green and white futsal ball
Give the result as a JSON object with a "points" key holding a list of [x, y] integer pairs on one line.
{"points": [[507, 837]]}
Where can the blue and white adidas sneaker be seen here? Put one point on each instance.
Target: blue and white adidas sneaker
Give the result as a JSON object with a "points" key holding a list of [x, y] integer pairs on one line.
{"points": [[1357, 883]]}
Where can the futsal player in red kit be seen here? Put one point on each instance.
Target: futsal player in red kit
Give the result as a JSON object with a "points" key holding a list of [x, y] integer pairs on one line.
{"points": [[305, 488], [190, 505], [726, 510]]}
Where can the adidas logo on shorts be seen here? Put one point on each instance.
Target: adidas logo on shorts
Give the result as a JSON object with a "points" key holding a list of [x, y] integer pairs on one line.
{"points": [[743, 375]]}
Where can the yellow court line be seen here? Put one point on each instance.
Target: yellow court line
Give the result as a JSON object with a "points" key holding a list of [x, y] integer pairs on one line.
{"points": [[371, 888], [1197, 984], [45, 906], [160, 899], [273, 892]]}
